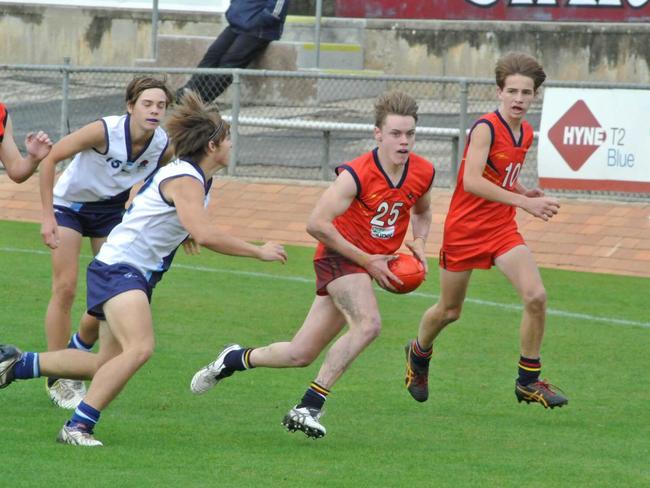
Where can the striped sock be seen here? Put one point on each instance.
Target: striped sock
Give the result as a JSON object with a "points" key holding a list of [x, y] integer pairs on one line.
{"points": [[529, 370], [419, 355], [239, 359], [314, 397], [27, 366], [86, 415], [77, 343]]}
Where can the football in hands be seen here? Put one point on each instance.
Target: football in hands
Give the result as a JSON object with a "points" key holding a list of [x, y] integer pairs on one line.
{"points": [[409, 269]]}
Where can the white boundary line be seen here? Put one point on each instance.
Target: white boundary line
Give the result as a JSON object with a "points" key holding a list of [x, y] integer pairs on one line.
{"points": [[300, 279]]}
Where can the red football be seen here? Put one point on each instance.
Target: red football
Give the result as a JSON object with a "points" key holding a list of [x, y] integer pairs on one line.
{"points": [[408, 269]]}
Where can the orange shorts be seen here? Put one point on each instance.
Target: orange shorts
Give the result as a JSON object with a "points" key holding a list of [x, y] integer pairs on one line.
{"points": [[479, 256], [333, 266]]}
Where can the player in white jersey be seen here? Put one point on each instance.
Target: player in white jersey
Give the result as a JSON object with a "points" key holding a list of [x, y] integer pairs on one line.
{"points": [[110, 156], [168, 207]]}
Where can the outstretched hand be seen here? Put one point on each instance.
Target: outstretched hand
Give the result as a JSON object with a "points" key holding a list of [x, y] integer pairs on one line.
{"points": [[38, 144], [272, 251]]}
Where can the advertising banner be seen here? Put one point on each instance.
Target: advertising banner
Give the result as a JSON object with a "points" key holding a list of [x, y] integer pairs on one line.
{"points": [[521, 10], [595, 140]]}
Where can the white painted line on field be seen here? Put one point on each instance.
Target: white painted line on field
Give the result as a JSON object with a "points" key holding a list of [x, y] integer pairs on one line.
{"points": [[431, 296]]}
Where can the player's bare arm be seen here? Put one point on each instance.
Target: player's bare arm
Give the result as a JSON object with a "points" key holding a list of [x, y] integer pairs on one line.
{"points": [[19, 168], [89, 136], [477, 155], [187, 194], [421, 214], [334, 202], [529, 192]]}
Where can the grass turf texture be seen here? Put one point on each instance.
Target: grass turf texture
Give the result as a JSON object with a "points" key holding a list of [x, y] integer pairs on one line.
{"points": [[470, 432]]}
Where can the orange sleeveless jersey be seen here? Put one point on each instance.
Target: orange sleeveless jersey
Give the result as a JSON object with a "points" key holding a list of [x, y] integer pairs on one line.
{"points": [[3, 120], [377, 219], [472, 219]]}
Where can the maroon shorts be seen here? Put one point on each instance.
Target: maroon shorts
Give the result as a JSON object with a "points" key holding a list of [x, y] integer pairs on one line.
{"points": [[328, 268], [479, 256]]}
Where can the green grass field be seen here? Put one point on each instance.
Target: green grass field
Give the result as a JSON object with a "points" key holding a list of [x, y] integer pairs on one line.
{"points": [[471, 432]]}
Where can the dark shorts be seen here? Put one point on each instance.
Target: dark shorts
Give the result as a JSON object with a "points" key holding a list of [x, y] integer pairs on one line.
{"points": [[480, 256], [105, 281], [87, 222], [330, 268]]}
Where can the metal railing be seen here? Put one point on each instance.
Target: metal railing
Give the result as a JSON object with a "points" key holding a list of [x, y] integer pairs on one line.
{"points": [[290, 125]]}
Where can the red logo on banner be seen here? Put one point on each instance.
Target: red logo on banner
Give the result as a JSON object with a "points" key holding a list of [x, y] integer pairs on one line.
{"points": [[577, 135]]}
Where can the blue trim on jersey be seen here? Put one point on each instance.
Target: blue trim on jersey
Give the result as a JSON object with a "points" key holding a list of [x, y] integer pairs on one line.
{"points": [[349, 169], [512, 135], [129, 142], [482, 121], [492, 165], [106, 140], [375, 157], [206, 183], [127, 136], [171, 204], [153, 277]]}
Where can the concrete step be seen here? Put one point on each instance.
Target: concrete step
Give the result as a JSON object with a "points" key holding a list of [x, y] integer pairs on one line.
{"points": [[335, 57], [187, 51]]}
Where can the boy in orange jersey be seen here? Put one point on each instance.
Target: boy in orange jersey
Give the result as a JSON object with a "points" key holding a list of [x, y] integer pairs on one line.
{"points": [[480, 231], [38, 145], [359, 221]]}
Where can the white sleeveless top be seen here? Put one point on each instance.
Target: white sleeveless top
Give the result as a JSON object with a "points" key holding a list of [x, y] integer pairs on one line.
{"points": [[105, 179], [150, 232]]}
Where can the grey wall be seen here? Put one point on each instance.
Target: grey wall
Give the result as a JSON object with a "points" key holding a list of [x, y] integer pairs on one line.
{"points": [[37, 34]]}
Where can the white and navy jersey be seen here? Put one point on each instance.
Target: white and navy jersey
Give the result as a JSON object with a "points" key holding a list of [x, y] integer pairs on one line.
{"points": [[151, 231], [105, 179]]}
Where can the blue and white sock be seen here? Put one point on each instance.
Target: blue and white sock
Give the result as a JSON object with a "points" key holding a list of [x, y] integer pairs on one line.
{"points": [[27, 366], [77, 343], [86, 415]]}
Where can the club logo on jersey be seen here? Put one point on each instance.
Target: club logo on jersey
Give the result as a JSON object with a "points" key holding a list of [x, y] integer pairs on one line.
{"points": [[382, 232], [577, 135], [129, 166]]}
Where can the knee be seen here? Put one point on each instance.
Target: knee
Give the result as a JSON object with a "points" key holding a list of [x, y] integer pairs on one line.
{"points": [[302, 358], [64, 291], [535, 301], [451, 314], [142, 352], [370, 328]]}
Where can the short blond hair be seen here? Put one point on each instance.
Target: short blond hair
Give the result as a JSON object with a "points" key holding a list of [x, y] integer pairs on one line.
{"points": [[395, 103]]}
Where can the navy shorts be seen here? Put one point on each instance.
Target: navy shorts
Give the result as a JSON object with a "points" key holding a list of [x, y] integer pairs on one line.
{"points": [[105, 281], [87, 222]]}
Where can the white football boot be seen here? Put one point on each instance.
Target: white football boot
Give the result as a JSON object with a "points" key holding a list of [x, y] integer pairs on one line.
{"points": [[207, 377], [306, 420], [9, 356], [66, 393], [77, 436]]}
